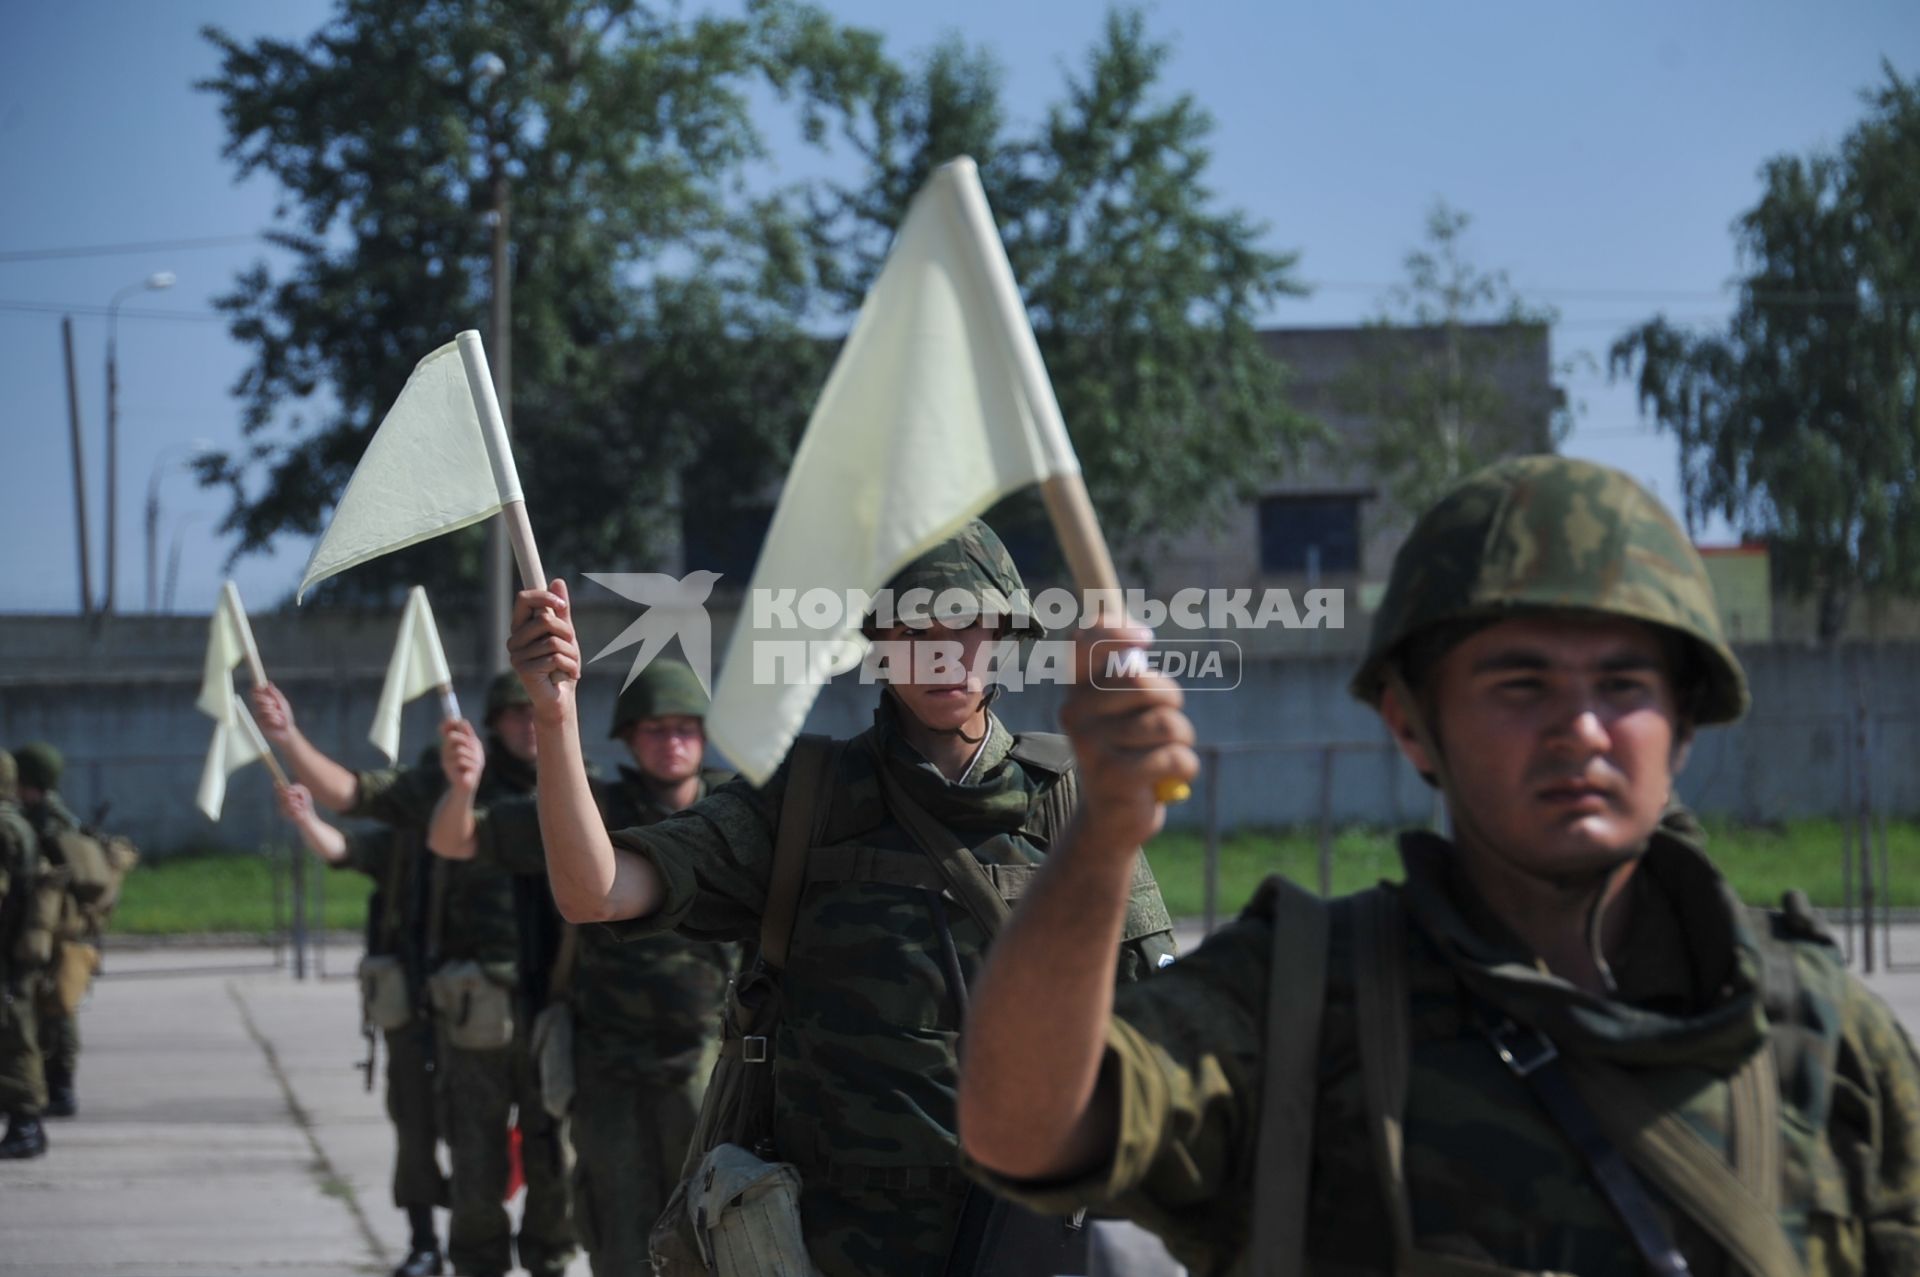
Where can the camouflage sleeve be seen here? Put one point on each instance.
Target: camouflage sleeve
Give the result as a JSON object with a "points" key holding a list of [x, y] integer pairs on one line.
{"points": [[714, 860], [507, 836], [1877, 1093], [369, 852], [1146, 941], [1183, 1066], [395, 796]]}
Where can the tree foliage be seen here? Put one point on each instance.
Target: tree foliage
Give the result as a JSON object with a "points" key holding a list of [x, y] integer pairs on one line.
{"points": [[1428, 383], [673, 311], [1800, 422]]}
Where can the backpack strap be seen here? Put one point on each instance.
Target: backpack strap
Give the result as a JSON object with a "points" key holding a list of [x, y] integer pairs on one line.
{"points": [[1053, 810], [1380, 1012], [811, 766], [1283, 1157], [962, 872]]}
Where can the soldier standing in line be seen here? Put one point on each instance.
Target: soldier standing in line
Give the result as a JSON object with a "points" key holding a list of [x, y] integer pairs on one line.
{"points": [[1563, 1045], [394, 1000], [646, 1014], [930, 822], [41, 768], [498, 938], [26, 946]]}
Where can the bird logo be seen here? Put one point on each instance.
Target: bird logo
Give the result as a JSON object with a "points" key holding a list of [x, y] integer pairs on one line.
{"points": [[675, 608]]}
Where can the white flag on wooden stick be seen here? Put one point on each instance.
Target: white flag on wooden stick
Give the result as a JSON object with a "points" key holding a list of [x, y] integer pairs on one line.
{"points": [[418, 666]]}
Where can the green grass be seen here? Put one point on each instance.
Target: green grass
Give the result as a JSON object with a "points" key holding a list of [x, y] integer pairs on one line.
{"points": [[189, 894], [234, 893], [1761, 861]]}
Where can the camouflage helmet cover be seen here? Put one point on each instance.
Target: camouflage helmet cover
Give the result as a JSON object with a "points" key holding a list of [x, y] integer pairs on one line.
{"points": [[504, 692], [1554, 534], [662, 688], [39, 765], [975, 562]]}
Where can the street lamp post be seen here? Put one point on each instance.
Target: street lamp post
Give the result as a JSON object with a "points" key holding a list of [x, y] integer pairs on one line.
{"points": [[156, 281], [192, 447]]}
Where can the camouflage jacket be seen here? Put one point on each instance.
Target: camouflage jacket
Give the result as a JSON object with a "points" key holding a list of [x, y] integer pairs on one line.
{"points": [[865, 1064], [649, 1009], [483, 915], [19, 876], [1489, 1178], [51, 816], [398, 862]]}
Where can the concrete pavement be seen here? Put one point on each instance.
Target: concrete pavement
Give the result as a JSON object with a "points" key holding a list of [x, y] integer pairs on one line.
{"points": [[224, 1129]]}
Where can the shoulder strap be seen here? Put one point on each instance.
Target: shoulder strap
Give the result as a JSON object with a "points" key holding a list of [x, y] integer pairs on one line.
{"points": [[1049, 751], [1283, 1162], [810, 775], [962, 873], [1380, 1010], [436, 909]]}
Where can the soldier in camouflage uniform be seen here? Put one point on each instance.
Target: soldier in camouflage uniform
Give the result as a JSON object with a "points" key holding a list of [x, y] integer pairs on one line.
{"points": [[487, 917], [646, 1014], [1562, 1046], [397, 862], [23, 1082], [864, 1065], [41, 768]]}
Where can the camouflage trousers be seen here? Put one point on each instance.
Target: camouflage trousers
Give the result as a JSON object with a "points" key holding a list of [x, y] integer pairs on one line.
{"points": [[417, 1177], [479, 1093], [23, 1082], [59, 1040], [629, 1138]]}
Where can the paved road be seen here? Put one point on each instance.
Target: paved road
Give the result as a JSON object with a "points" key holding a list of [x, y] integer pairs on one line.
{"points": [[224, 1129]]}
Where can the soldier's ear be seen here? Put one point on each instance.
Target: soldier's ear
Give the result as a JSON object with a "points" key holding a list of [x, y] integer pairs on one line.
{"points": [[1400, 724], [1682, 746]]}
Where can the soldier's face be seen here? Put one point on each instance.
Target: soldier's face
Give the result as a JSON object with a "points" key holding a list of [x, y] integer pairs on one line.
{"points": [[939, 673], [1561, 736], [514, 726], [669, 748]]}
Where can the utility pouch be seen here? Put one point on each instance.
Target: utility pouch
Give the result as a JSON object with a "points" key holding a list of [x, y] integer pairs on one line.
{"points": [[384, 999], [744, 1217], [552, 1044], [90, 876], [475, 1009], [73, 974]]}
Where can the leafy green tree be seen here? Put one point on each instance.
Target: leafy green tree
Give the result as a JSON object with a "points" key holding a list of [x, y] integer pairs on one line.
{"points": [[1429, 382], [1145, 295], [1800, 422], [655, 293]]}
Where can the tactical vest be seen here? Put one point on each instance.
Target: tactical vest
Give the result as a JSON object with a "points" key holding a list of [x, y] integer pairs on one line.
{"points": [[1742, 1159], [870, 1005]]}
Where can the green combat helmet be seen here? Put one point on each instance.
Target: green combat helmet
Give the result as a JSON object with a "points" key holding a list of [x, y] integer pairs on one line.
{"points": [[1553, 534], [39, 765], [972, 560], [503, 694], [663, 688]]}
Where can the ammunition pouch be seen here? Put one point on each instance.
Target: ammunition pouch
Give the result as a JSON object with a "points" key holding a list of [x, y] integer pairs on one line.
{"points": [[73, 974], [386, 1003], [735, 1216], [552, 1044], [474, 1008]]}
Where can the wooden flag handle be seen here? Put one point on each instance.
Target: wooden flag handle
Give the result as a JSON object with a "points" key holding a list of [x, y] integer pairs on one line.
{"points": [[1074, 524]]}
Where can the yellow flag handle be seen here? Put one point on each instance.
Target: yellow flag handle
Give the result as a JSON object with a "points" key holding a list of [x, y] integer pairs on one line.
{"points": [[1173, 791]]}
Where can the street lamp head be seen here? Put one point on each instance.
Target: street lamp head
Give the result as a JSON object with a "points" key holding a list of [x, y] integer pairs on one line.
{"points": [[159, 280]]}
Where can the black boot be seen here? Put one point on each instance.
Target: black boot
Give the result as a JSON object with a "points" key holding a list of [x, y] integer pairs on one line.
{"points": [[423, 1251], [60, 1100], [25, 1138]]}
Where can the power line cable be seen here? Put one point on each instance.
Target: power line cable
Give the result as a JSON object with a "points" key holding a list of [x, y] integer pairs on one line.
{"points": [[115, 250]]}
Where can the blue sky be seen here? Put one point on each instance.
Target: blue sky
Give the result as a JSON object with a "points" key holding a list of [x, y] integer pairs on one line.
{"points": [[1602, 150]]}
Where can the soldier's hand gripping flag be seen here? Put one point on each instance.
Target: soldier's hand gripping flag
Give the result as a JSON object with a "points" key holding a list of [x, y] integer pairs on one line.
{"points": [[937, 406], [439, 462], [418, 666], [236, 742]]}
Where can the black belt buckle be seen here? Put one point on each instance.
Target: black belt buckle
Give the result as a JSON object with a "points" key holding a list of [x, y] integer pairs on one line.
{"points": [[1521, 1049]]}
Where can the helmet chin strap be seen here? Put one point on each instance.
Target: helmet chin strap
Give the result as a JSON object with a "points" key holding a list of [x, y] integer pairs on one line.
{"points": [[987, 698]]}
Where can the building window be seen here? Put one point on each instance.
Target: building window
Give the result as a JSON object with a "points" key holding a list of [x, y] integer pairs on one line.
{"points": [[726, 541], [1315, 535]]}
